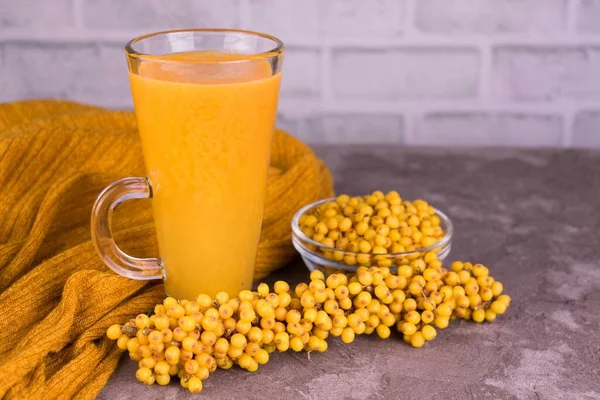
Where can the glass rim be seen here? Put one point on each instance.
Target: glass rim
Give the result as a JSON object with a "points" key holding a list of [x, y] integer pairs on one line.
{"points": [[275, 51]]}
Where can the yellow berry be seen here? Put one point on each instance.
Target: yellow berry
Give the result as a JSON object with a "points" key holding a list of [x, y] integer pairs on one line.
{"points": [[176, 311], [478, 315], [497, 288], [407, 328], [133, 345], [457, 266], [427, 316], [114, 332], [187, 323], [163, 380], [143, 374], [262, 356], [194, 385], [441, 322], [122, 342], [383, 331], [486, 294], [172, 354], [413, 317], [148, 362], [498, 307], [429, 332], [142, 321], [417, 340]]}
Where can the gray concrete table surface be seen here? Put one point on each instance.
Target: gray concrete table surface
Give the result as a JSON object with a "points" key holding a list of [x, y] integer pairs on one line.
{"points": [[532, 216]]}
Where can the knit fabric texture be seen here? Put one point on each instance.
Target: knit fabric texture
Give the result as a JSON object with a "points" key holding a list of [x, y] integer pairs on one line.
{"points": [[57, 297]]}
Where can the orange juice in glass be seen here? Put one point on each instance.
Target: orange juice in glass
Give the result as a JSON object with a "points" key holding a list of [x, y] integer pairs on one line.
{"points": [[206, 102]]}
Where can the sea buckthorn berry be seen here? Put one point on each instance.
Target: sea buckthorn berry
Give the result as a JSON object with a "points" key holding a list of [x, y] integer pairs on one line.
{"points": [[432, 286], [169, 301], [383, 331], [428, 332], [379, 250], [498, 307], [490, 315], [478, 315], [441, 322], [413, 317], [235, 352], [486, 294], [458, 291], [122, 342], [417, 340], [471, 286], [382, 291], [246, 295], [427, 316], [474, 300], [355, 288], [187, 323], [281, 287], [362, 299], [348, 335], [194, 385], [504, 299], [485, 281], [142, 321], [179, 334], [497, 288], [317, 275], [114, 332], [410, 305], [162, 368], [244, 327], [300, 288], [457, 266], [143, 374], [222, 345], [444, 310], [203, 372], [296, 344], [155, 337], [238, 340], [263, 289], [172, 354], [463, 302]]}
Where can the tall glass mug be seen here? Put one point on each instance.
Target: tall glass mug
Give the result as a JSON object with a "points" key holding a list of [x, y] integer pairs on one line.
{"points": [[206, 102]]}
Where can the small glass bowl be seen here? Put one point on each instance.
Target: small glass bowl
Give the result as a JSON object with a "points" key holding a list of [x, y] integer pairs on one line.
{"points": [[330, 260]]}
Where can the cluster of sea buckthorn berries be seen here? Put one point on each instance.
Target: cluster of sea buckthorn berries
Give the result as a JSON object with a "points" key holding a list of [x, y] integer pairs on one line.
{"points": [[190, 339], [371, 225]]}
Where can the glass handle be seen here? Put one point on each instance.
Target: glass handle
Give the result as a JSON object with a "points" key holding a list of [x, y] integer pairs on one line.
{"points": [[123, 264]]}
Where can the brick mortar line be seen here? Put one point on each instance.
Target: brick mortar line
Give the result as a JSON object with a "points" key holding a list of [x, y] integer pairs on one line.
{"points": [[413, 113], [370, 107], [76, 35]]}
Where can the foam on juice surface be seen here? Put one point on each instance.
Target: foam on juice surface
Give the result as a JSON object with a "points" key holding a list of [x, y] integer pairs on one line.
{"points": [[206, 68]]}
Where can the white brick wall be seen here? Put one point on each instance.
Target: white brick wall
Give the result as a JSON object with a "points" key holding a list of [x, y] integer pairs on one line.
{"points": [[419, 72], [491, 16], [409, 73]]}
